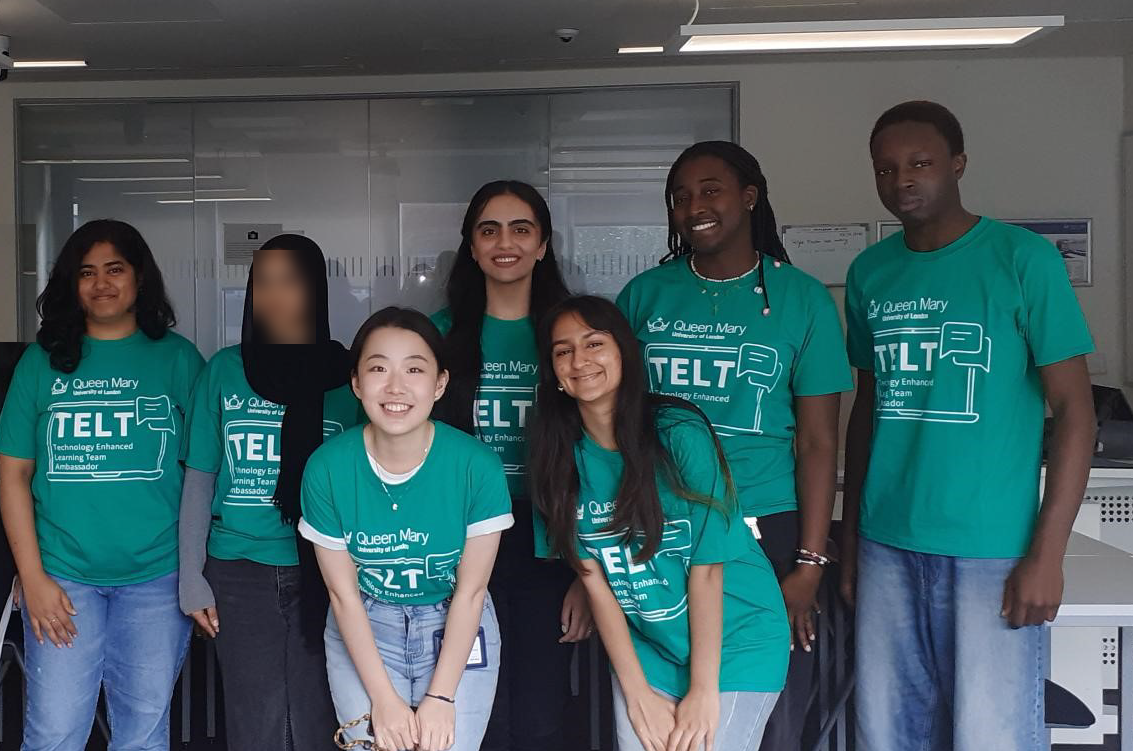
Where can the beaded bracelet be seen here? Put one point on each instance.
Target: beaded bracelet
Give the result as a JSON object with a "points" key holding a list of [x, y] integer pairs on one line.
{"points": [[808, 556]]}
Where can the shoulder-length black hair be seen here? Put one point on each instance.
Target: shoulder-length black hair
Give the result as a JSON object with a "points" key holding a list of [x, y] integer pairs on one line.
{"points": [[467, 298], [558, 427], [393, 317], [63, 319]]}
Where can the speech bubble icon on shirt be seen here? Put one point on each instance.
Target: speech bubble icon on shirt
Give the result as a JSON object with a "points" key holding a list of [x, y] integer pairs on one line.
{"points": [[155, 412], [967, 345], [441, 565], [760, 364], [676, 538]]}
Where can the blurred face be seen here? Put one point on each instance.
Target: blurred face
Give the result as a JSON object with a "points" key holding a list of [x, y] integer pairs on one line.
{"points": [[506, 240], [107, 285], [587, 362], [398, 380], [279, 298], [710, 206], [917, 176]]}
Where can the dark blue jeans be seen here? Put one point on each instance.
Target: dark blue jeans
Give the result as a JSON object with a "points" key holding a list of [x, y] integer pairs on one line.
{"points": [[276, 696]]}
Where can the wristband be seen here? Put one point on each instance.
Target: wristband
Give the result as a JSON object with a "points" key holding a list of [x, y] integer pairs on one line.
{"points": [[438, 697], [816, 558]]}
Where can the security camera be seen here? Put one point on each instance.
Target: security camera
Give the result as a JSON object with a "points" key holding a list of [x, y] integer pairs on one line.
{"points": [[5, 56], [566, 36]]}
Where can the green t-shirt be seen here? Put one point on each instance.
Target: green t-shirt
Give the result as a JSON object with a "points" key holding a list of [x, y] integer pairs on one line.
{"points": [[235, 434], [405, 555], [955, 338], [709, 343], [506, 395], [105, 440], [654, 595]]}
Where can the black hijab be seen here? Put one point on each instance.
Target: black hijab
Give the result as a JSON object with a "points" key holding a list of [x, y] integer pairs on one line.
{"points": [[297, 376]]}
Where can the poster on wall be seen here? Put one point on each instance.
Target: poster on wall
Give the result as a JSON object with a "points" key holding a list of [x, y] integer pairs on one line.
{"points": [[825, 250], [1071, 236]]}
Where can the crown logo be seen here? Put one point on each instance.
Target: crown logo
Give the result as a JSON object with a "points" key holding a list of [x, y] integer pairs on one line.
{"points": [[874, 309], [657, 325], [233, 402], [59, 387]]}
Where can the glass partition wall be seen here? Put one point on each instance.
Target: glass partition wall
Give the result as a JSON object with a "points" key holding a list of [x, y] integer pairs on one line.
{"points": [[381, 184]]}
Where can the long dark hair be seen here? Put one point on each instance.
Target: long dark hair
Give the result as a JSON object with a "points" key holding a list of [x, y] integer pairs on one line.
{"points": [[764, 229], [393, 317], [63, 319], [558, 427], [468, 299]]}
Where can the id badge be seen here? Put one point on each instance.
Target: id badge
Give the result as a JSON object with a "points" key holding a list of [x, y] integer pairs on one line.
{"points": [[752, 523], [477, 658]]}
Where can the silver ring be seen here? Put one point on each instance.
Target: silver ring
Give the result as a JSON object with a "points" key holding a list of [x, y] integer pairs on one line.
{"points": [[52, 619]]}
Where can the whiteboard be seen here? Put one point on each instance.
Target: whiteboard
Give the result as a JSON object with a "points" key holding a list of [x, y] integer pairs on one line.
{"points": [[825, 250]]}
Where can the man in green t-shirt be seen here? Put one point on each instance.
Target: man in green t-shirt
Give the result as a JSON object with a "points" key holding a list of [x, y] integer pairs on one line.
{"points": [[961, 329]]}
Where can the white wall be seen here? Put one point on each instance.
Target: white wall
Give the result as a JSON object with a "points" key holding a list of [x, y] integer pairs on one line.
{"points": [[1043, 137]]}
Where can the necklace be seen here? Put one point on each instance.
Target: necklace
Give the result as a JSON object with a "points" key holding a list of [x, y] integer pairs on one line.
{"points": [[692, 265], [378, 469]]}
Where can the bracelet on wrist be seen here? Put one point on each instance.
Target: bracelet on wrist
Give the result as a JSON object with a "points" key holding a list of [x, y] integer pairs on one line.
{"points": [[813, 558], [439, 697]]}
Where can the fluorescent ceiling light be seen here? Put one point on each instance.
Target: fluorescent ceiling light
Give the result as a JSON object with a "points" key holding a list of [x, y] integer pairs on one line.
{"points": [[147, 179], [216, 200], [909, 33], [49, 63], [106, 161], [639, 50]]}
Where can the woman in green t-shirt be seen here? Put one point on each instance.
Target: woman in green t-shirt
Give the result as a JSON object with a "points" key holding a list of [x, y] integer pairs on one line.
{"points": [[89, 487], [502, 284], [406, 515], [637, 497], [259, 409], [729, 323]]}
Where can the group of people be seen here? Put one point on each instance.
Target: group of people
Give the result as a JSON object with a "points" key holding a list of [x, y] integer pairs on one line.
{"points": [[403, 540]]}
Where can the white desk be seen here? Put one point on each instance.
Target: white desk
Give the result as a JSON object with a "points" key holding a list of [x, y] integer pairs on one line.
{"points": [[1099, 592]]}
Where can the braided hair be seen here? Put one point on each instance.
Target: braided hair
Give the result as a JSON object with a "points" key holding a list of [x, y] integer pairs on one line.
{"points": [[764, 229]]}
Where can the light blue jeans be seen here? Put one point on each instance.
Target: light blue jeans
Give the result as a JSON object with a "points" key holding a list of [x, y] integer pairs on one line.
{"points": [[404, 635], [132, 640], [937, 667], [743, 718]]}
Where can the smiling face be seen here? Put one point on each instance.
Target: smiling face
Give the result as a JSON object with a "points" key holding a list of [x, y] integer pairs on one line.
{"points": [[107, 285], [711, 209], [279, 297], [587, 362], [917, 176], [507, 240], [397, 380]]}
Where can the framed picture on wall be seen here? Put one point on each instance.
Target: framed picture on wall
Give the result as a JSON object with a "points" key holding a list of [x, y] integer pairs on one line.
{"points": [[1072, 237], [887, 228]]}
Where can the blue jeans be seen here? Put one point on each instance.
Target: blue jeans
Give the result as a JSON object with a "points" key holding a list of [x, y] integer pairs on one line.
{"points": [[132, 640], [743, 718], [937, 666], [404, 637]]}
